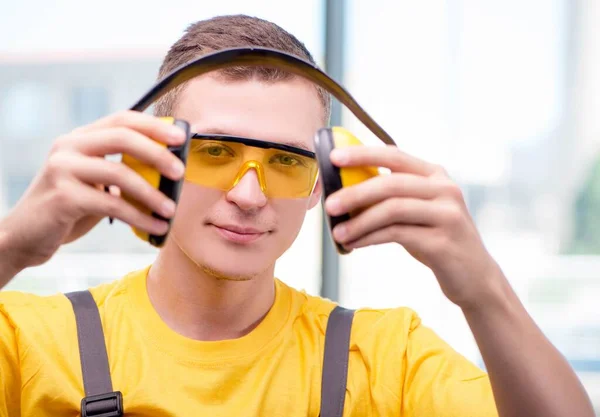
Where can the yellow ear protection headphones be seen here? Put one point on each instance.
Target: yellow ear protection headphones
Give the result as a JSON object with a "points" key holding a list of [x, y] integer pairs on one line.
{"points": [[167, 186], [326, 139]]}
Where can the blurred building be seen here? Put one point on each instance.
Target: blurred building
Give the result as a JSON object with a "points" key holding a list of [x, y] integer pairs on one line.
{"points": [[43, 96], [506, 95]]}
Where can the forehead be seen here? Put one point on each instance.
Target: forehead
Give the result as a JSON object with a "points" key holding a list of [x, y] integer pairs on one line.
{"points": [[288, 112]]}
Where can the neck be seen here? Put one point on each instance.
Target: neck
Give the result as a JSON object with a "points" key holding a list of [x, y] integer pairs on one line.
{"points": [[201, 306]]}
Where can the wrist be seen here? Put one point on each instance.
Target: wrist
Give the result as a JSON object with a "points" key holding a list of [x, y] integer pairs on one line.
{"points": [[10, 261], [495, 295]]}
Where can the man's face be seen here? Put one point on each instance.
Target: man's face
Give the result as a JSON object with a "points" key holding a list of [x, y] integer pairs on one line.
{"points": [[241, 232]]}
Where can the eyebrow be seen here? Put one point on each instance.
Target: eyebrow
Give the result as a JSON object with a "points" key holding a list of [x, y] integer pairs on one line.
{"points": [[217, 131]]}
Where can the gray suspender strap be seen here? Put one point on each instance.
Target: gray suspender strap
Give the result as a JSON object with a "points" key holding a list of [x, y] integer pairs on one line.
{"points": [[335, 362], [100, 400]]}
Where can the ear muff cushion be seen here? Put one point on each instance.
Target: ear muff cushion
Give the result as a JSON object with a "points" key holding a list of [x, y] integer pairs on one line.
{"points": [[334, 178], [167, 186], [330, 177]]}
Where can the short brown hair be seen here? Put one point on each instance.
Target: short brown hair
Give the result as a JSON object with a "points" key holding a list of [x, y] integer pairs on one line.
{"points": [[233, 31]]}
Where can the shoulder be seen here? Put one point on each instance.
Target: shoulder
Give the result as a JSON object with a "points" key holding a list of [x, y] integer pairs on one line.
{"points": [[369, 325], [33, 313]]}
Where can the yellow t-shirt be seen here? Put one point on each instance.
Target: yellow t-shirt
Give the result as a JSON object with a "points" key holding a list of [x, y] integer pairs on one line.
{"points": [[397, 367]]}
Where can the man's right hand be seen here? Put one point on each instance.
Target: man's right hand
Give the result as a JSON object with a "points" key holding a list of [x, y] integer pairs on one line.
{"points": [[67, 199]]}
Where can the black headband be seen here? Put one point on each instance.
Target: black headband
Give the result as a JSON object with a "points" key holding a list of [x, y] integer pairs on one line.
{"points": [[264, 57]]}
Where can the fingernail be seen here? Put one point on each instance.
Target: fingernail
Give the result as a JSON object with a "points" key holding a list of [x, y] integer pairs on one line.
{"points": [[339, 155], [160, 227], [333, 205], [178, 169], [168, 208], [177, 133], [340, 232]]}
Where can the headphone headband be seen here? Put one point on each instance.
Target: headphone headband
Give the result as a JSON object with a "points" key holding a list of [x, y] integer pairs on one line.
{"points": [[264, 57]]}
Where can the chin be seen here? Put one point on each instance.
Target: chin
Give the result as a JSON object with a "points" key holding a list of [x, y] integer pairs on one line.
{"points": [[228, 265], [227, 260]]}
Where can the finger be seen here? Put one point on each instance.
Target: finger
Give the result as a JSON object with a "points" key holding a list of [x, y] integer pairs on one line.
{"points": [[381, 156], [379, 188], [130, 142], [147, 124], [91, 201], [99, 171], [114, 190], [389, 212], [409, 236]]}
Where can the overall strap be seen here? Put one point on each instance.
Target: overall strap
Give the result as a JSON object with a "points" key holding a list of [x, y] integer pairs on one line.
{"points": [[335, 362], [100, 400]]}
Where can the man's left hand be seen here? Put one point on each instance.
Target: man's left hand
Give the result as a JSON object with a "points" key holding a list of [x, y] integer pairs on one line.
{"points": [[418, 206]]}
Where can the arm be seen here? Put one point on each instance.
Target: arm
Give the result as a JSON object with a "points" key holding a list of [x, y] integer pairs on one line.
{"points": [[419, 207], [8, 262], [66, 199], [528, 374]]}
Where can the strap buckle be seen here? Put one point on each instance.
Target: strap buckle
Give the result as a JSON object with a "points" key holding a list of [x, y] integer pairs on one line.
{"points": [[103, 405]]}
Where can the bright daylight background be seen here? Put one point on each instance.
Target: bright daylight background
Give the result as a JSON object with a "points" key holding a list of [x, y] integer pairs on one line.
{"points": [[505, 94]]}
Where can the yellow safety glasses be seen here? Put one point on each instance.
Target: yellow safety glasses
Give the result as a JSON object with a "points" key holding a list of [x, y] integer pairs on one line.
{"points": [[221, 161]]}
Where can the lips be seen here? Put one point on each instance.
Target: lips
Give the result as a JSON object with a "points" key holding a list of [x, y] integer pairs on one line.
{"points": [[241, 230], [239, 234]]}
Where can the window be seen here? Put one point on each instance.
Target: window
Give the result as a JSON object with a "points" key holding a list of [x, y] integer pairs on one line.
{"points": [[88, 103], [25, 110], [15, 187], [118, 66], [453, 86]]}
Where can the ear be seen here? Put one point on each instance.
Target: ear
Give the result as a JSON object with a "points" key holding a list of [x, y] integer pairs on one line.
{"points": [[316, 194]]}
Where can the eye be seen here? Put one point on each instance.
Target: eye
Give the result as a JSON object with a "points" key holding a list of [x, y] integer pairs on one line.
{"points": [[286, 160], [215, 150]]}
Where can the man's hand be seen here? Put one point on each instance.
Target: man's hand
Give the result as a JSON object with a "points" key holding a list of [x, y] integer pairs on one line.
{"points": [[422, 209], [67, 198], [419, 207]]}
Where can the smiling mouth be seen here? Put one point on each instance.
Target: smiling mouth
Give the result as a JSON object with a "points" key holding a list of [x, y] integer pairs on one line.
{"points": [[237, 234]]}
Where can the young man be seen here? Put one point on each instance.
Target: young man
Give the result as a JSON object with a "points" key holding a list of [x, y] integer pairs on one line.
{"points": [[207, 329]]}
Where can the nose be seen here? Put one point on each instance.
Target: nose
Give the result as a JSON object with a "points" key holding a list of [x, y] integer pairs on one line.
{"points": [[247, 194]]}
